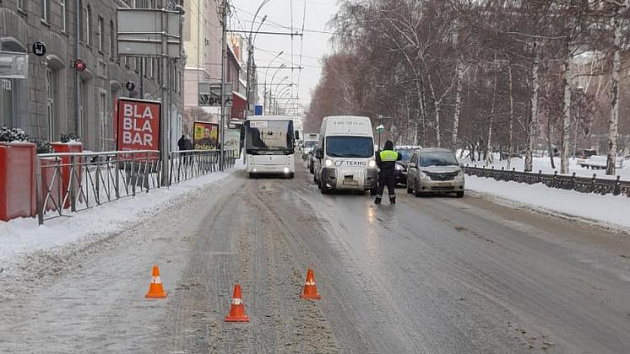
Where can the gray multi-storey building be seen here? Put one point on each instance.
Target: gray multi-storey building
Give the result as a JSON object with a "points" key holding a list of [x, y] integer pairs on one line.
{"points": [[45, 102]]}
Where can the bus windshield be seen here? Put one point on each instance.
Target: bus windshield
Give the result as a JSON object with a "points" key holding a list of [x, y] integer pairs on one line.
{"points": [[263, 136], [349, 146]]}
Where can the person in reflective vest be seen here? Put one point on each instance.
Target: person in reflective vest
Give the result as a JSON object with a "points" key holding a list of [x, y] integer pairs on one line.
{"points": [[386, 162]]}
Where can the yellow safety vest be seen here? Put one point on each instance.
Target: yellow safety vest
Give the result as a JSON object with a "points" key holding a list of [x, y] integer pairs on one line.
{"points": [[389, 156]]}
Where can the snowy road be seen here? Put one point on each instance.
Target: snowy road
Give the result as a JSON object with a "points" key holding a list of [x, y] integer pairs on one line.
{"points": [[430, 275]]}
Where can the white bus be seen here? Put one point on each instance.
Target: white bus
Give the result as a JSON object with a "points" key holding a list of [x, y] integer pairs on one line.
{"points": [[270, 146]]}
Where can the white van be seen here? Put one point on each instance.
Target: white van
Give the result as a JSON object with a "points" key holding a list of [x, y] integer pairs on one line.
{"points": [[345, 156], [310, 140]]}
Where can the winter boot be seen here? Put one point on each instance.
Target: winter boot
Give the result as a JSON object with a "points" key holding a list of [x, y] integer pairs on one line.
{"points": [[377, 200], [392, 200]]}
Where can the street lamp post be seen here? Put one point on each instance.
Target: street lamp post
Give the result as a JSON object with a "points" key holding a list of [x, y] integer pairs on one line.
{"points": [[265, 82], [250, 54]]}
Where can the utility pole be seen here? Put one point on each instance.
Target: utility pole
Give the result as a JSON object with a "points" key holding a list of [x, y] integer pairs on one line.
{"points": [[166, 109], [223, 84]]}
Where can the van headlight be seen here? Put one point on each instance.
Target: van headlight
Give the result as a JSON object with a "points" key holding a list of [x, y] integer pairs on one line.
{"points": [[423, 175], [372, 163], [328, 163]]}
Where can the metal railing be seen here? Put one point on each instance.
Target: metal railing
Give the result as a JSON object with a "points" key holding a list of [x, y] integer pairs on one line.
{"points": [[568, 182], [69, 182], [189, 164]]}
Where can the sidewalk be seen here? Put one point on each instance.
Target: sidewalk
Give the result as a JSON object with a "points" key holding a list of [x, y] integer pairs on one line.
{"points": [[604, 210], [22, 236]]}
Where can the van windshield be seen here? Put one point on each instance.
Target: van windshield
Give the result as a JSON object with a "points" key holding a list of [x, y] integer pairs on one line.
{"points": [[437, 159], [349, 146]]}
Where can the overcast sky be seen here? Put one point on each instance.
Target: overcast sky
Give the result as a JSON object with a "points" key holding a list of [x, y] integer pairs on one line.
{"points": [[281, 15]]}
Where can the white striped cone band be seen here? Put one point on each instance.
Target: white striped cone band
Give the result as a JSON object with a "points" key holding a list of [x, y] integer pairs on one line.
{"points": [[156, 280], [311, 283], [236, 301]]}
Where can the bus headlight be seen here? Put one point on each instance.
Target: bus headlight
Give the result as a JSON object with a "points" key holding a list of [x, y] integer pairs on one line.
{"points": [[372, 163], [328, 163], [286, 170]]}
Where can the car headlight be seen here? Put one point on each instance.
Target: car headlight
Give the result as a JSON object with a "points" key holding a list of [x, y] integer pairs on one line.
{"points": [[372, 163], [422, 174], [328, 163], [399, 167]]}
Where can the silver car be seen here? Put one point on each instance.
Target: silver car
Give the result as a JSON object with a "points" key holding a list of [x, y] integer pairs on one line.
{"points": [[434, 170]]}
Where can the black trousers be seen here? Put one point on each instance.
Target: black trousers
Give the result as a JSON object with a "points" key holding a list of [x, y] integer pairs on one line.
{"points": [[386, 178]]}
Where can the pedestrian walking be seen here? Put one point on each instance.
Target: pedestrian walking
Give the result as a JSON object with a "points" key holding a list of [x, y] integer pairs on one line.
{"points": [[386, 161]]}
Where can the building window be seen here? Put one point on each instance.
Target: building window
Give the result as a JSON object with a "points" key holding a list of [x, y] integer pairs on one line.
{"points": [[50, 103], [45, 5], [102, 120], [100, 24], [112, 40], [88, 25], [21, 4], [64, 19], [81, 33]]}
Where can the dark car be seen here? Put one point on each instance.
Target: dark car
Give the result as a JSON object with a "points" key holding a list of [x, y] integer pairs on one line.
{"points": [[400, 173], [310, 158]]}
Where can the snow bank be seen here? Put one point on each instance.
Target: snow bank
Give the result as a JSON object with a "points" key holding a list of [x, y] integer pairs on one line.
{"points": [[24, 235], [608, 210]]}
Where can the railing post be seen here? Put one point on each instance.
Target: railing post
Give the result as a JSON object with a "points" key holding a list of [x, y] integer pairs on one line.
{"points": [[97, 192], [573, 181], [38, 191], [134, 176], [145, 180], [593, 183], [73, 197], [617, 190], [539, 176], [117, 166], [554, 181]]}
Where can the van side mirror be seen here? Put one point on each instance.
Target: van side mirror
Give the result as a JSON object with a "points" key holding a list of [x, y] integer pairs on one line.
{"points": [[319, 153]]}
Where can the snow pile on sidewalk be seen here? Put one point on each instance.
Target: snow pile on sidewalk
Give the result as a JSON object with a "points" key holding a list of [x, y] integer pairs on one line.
{"points": [[607, 210], [22, 236]]}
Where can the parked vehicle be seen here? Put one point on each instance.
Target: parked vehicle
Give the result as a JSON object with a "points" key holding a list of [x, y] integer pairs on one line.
{"points": [[270, 145], [310, 159], [435, 170], [403, 165], [310, 140], [344, 159]]}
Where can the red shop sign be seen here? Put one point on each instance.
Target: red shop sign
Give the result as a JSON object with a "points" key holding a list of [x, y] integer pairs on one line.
{"points": [[138, 124]]}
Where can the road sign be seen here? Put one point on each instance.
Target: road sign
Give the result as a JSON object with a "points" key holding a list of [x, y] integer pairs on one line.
{"points": [[141, 31], [210, 94], [380, 127], [39, 49], [80, 65]]}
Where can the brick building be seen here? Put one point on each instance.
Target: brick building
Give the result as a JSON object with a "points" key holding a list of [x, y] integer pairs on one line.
{"points": [[45, 103]]}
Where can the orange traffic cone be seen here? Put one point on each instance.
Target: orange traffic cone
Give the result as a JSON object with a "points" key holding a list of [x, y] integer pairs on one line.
{"points": [[155, 289], [237, 309], [310, 289]]}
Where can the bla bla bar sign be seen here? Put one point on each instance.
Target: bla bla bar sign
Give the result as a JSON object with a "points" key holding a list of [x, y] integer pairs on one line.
{"points": [[138, 125]]}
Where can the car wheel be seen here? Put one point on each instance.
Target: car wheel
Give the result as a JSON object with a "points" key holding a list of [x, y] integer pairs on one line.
{"points": [[323, 188], [459, 194], [416, 192]]}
